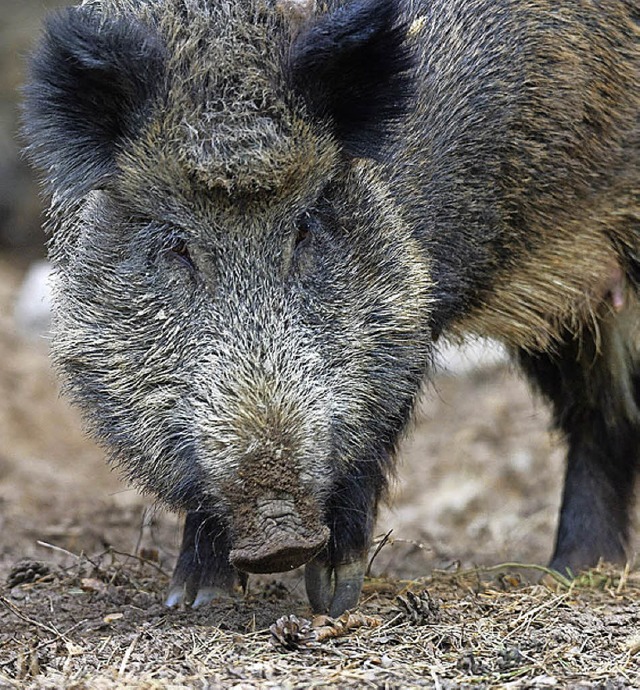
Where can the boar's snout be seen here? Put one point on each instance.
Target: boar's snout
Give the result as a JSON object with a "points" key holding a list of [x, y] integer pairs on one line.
{"points": [[278, 537]]}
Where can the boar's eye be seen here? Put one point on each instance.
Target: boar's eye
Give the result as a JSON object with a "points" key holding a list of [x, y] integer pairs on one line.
{"points": [[179, 250], [304, 226]]}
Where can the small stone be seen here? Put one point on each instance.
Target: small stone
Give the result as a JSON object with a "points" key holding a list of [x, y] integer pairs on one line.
{"points": [[470, 664], [509, 658]]}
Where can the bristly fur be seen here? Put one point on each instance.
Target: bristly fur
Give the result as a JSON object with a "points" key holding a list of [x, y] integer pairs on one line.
{"points": [[354, 67], [89, 85]]}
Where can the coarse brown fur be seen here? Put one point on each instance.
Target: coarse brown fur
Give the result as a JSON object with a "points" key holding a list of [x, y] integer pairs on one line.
{"points": [[266, 214]]}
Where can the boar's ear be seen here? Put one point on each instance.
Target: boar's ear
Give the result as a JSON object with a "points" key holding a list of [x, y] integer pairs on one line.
{"points": [[354, 67], [89, 81]]}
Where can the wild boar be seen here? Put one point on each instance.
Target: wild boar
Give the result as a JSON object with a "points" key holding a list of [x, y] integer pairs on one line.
{"points": [[264, 216]]}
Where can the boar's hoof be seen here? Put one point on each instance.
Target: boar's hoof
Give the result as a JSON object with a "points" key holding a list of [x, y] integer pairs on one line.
{"points": [[278, 553], [334, 589], [585, 538], [570, 563], [187, 594], [197, 585]]}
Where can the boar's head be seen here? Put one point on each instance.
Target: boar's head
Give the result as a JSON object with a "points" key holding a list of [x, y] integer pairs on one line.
{"points": [[241, 311]]}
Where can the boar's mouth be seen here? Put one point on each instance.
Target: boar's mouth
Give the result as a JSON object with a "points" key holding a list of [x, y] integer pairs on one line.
{"points": [[276, 538]]}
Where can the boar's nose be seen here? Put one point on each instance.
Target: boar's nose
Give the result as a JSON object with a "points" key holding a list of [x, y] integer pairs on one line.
{"points": [[277, 538]]}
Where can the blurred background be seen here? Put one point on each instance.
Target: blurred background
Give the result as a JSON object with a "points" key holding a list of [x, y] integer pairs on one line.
{"points": [[20, 22]]}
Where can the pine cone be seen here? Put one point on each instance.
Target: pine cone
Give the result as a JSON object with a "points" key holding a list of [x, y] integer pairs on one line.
{"points": [[27, 571], [418, 609], [291, 633]]}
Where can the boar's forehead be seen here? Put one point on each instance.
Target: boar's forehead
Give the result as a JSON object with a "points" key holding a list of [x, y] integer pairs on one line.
{"points": [[225, 118]]}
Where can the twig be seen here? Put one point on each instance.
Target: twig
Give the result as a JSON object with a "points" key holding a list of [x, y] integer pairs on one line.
{"points": [[57, 636], [383, 541], [565, 582], [78, 557], [624, 577], [140, 560], [127, 654], [17, 612], [106, 552], [53, 547]]}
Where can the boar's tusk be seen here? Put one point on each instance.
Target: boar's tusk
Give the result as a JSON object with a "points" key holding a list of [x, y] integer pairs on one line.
{"points": [[317, 577], [349, 579], [334, 594]]}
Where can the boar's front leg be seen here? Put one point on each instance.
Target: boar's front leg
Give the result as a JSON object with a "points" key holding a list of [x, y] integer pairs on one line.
{"points": [[203, 571], [334, 577], [594, 388]]}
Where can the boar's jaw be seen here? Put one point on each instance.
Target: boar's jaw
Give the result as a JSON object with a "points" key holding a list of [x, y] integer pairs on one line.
{"points": [[278, 536]]}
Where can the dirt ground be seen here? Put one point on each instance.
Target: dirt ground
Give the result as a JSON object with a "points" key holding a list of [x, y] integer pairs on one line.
{"points": [[479, 485]]}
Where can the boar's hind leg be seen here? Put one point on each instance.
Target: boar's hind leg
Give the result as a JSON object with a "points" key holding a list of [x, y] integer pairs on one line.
{"points": [[334, 577], [594, 386], [203, 571]]}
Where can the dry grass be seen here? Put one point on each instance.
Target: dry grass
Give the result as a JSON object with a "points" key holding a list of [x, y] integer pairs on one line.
{"points": [[100, 624]]}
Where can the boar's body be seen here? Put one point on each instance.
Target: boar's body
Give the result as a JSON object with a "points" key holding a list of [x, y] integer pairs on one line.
{"points": [[264, 216]]}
